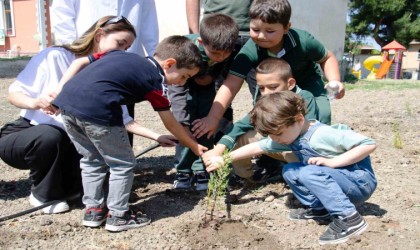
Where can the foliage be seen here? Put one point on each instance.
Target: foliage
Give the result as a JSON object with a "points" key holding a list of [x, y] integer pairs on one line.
{"points": [[398, 143], [218, 184], [385, 20]]}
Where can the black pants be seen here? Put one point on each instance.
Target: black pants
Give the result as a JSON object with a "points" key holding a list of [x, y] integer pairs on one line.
{"points": [[48, 153]]}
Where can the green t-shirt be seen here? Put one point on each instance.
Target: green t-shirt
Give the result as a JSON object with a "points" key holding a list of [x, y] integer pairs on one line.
{"points": [[244, 125], [237, 9], [301, 50]]}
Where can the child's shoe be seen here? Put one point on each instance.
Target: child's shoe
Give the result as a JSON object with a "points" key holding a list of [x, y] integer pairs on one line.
{"points": [[321, 215], [59, 207], [182, 181], [201, 180], [341, 229], [130, 220], [94, 216]]}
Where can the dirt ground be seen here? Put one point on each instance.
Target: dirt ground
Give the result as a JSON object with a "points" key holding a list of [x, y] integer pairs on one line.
{"points": [[259, 216]]}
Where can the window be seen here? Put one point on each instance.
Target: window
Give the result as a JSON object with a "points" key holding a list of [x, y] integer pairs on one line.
{"points": [[8, 10], [418, 55]]}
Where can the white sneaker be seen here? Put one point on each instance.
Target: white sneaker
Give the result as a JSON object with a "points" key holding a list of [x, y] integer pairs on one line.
{"points": [[56, 208]]}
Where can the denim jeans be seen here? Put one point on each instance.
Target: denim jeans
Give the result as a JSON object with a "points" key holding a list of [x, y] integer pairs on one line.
{"points": [[103, 148], [335, 189]]}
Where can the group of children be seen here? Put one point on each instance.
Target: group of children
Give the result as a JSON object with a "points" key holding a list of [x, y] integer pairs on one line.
{"points": [[328, 167]]}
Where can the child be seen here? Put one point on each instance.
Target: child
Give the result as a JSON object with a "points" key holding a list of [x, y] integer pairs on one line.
{"points": [[271, 36], [54, 176], [272, 75], [334, 171], [216, 41], [90, 104]]}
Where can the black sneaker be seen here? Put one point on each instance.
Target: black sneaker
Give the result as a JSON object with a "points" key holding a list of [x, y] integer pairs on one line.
{"points": [[94, 217], [201, 180], [341, 229], [268, 170], [182, 181], [321, 216], [130, 220]]}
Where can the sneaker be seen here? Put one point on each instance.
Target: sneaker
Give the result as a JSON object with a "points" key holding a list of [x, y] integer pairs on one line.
{"points": [[59, 207], [321, 215], [130, 220], [182, 181], [264, 175], [201, 180], [341, 229], [94, 216]]}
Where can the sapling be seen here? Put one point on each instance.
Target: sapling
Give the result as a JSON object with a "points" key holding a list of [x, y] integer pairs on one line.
{"points": [[218, 187]]}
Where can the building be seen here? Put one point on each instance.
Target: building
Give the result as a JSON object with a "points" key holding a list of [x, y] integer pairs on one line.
{"points": [[24, 27], [411, 61]]}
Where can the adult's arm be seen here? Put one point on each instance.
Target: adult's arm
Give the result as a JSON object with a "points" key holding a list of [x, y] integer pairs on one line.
{"points": [[193, 15], [64, 14], [148, 30]]}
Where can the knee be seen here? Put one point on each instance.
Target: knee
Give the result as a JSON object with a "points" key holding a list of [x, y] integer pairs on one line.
{"points": [[291, 171], [51, 140], [310, 173]]}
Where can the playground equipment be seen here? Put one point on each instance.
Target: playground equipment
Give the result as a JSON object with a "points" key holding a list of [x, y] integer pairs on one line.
{"points": [[370, 63], [387, 64]]}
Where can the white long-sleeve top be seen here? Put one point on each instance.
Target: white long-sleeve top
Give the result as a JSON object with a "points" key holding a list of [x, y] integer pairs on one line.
{"points": [[71, 18], [41, 76]]}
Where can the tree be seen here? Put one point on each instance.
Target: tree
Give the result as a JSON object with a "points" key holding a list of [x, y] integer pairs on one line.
{"points": [[385, 20]]}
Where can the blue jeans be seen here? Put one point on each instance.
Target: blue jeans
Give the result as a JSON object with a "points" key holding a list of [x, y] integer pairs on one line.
{"points": [[103, 148], [335, 189]]}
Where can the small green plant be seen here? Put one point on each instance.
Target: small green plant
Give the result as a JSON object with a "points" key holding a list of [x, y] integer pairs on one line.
{"points": [[398, 143], [408, 108], [217, 187]]}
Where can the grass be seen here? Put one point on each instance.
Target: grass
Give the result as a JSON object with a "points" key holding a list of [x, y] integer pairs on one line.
{"points": [[384, 85], [5, 59]]}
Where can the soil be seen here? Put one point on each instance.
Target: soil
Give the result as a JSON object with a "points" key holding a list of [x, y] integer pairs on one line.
{"points": [[259, 214]]}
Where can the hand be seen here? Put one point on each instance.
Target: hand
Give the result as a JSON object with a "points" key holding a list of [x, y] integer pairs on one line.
{"points": [[341, 91], [41, 102], [203, 126], [322, 161], [216, 151], [167, 140], [213, 163], [51, 110], [199, 151]]}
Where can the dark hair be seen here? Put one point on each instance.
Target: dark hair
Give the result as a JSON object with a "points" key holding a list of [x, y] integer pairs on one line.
{"points": [[84, 45], [219, 32], [180, 48], [271, 11], [276, 111], [277, 66]]}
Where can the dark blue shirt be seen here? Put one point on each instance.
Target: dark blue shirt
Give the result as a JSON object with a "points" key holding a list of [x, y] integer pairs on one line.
{"points": [[97, 92]]}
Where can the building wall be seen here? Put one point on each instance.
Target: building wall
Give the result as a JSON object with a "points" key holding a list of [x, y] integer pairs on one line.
{"points": [[410, 59], [25, 26]]}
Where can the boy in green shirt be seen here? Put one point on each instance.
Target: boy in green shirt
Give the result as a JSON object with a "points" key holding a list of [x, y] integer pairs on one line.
{"points": [[272, 75], [271, 36]]}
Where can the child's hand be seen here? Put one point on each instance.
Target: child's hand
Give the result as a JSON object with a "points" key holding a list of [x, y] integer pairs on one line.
{"points": [[199, 151], [216, 151], [213, 163], [51, 110], [322, 161], [203, 126], [167, 140]]}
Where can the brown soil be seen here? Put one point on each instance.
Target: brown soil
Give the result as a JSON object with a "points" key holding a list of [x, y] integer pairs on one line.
{"points": [[256, 223]]}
